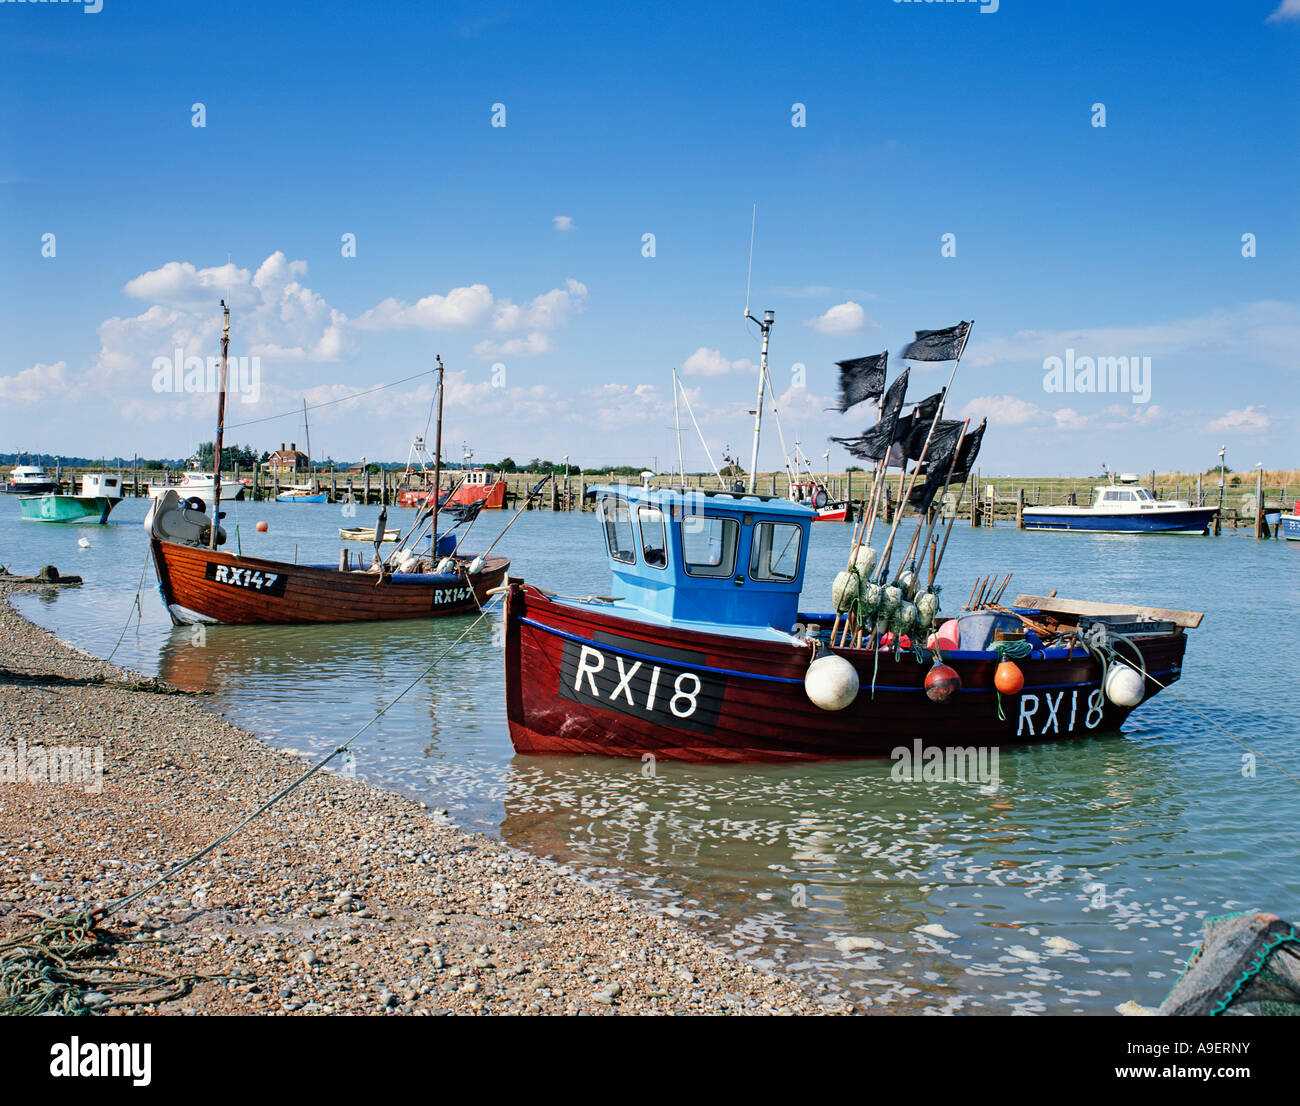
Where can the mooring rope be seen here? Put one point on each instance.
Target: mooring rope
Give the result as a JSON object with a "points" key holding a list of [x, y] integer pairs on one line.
{"points": [[135, 609]]}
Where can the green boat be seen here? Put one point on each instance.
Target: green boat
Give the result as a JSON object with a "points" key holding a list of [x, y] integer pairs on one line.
{"points": [[100, 493]]}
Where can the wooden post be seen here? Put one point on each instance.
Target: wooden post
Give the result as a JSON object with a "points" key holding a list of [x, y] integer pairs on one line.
{"points": [[974, 500], [1020, 508], [1261, 527]]}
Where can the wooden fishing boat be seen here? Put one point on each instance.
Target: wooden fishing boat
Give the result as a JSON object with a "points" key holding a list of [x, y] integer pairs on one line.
{"points": [[705, 657], [813, 494], [201, 584]]}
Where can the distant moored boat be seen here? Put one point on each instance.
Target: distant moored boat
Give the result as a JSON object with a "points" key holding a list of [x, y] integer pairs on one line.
{"points": [[1124, 508]]}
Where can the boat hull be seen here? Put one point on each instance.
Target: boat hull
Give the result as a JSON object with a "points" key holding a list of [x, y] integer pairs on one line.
{"points": [[1191, 520], [33, 487], [229, 490], [206, 585], [312, 497], [586, 683], [67, 508], [1290, 527]]}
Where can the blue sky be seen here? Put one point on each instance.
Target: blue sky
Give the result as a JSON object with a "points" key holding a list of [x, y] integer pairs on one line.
{"points": [[522, 245]]}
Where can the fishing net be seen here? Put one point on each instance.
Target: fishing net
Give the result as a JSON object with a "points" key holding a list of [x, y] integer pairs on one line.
{"points": [[1248, 964]]}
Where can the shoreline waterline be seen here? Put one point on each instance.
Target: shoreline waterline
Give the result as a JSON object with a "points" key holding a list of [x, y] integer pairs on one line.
{"points": [[344, 897]]}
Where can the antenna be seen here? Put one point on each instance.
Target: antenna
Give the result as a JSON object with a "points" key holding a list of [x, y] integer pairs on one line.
{"points": [[749, 276]]}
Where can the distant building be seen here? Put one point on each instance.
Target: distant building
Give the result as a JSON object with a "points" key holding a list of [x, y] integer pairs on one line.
{"points": [[287, 462]]}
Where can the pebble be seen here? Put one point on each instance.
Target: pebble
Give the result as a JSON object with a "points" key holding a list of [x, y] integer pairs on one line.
{"points": [[336, 865]]}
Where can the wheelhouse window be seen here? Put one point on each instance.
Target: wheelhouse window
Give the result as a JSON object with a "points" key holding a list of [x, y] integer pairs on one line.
{"points": [[617, 518], [654, 537], [709, 545], [774, 552]]}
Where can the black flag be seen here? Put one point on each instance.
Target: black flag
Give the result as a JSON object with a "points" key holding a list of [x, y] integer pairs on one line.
{"points": [[875, 442], [970, 447], [909, 438], [938, 345], [938, 461], [861, 379]]}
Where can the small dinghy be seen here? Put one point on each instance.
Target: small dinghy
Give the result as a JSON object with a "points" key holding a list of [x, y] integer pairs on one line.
{"points": [[367, 534]]}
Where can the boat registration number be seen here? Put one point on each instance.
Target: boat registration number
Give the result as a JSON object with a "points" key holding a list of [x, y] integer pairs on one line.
{"points": [[267, 583], [666, 690]]}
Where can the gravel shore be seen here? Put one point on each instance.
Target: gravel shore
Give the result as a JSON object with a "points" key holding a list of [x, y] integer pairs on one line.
{"points": [[340, 899]]}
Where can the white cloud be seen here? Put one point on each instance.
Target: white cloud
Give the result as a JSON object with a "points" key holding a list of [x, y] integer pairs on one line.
{"points": [[473, 305], [180, 284], [1267, 331], [1288, 9], [563, 222], [535, 343], [1246, 420], [843, 318], [40, 382], [1004, 410], [459, 309], [711, 362]]}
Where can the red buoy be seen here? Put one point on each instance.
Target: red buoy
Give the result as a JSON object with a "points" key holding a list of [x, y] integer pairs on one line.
{"points": [[262, 528], [1008, 678], [941, 683]]}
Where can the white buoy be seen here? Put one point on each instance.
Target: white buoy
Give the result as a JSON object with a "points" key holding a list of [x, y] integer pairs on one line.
{"points": [[844, 591], [1124, 687], [83, 543], [866, 561], [831, 682], [476, 566]]}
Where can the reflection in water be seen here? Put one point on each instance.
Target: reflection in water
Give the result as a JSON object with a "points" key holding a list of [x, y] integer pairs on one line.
{"points": [[1080, 883], [787, 864]]}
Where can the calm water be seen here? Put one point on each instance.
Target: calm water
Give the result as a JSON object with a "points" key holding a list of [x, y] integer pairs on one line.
{"points": [[1080, 884]]}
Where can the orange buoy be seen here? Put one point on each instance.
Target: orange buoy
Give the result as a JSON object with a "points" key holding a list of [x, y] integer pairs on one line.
{"points": [[1008, 678], [942, 683], [262, 528]]}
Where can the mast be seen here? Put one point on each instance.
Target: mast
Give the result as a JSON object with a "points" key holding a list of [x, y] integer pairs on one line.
{"points": [[221, 429], [766, 327], [677, 420], [307, 430], [437, 459]]}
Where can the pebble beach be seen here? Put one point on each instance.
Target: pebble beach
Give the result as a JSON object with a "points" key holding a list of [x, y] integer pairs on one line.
{"points": [[340, 899]]}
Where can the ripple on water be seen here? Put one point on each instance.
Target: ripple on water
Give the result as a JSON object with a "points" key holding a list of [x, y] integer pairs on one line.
{"points": [[1081, 883]]}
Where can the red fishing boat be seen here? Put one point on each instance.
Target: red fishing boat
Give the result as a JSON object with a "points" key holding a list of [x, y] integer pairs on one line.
{"points": [[704, 656], [201, 582]]}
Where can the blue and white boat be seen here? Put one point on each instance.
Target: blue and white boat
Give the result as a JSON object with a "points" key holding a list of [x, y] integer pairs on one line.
{"points": [[1124, 508], [1290, 524]]}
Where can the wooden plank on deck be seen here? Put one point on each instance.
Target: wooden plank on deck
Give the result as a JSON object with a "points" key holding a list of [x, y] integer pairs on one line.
{"points": [[1057, 605]]}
